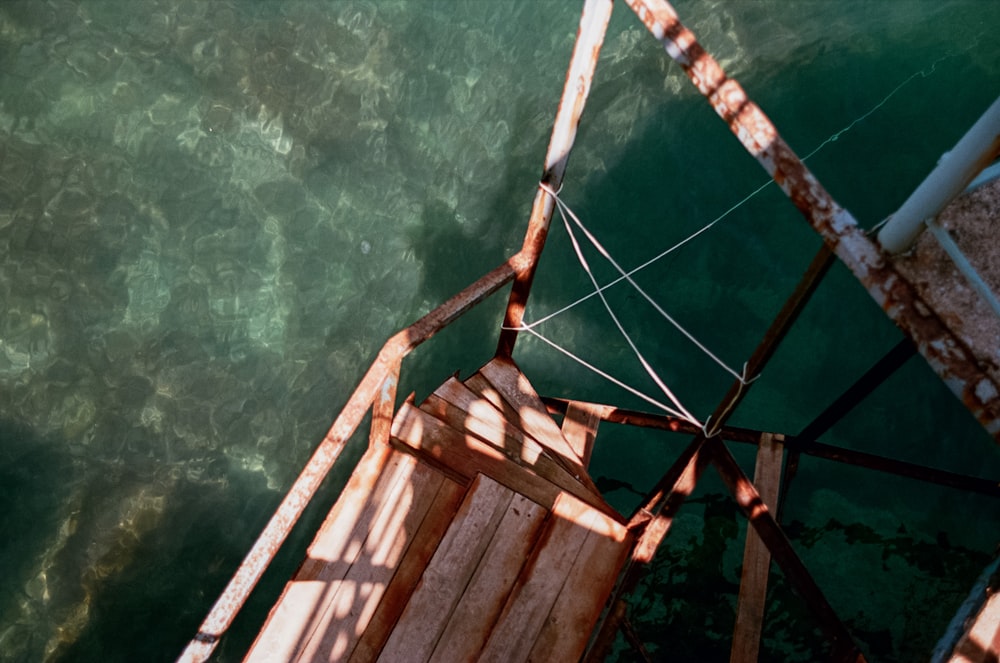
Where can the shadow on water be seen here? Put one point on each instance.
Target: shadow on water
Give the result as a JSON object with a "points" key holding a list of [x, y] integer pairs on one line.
{"points": [[36, 478], [453, 251]]}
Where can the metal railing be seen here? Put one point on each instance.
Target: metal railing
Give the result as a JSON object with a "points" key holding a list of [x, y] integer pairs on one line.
{"points": [[376, 391]]}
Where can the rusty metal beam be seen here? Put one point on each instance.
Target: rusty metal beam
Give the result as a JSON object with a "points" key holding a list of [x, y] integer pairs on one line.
{"points": [[656, 514], [653, 519], [589, 38], [847, 401], [619, 415], [865, 385], [775, 334], [797, 443], [948, 355], [900, 468], [782, 323]]}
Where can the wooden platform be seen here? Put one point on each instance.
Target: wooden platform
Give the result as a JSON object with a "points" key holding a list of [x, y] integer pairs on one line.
{"points": [[475, 535]]}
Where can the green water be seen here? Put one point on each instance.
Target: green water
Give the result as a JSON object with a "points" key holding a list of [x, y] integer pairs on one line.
{"points": [[212, 214]]}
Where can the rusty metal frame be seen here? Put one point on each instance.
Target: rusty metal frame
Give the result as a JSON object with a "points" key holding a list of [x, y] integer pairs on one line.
{"points": [[655, 515], [773, 536], [953, 361], [947, 354]]}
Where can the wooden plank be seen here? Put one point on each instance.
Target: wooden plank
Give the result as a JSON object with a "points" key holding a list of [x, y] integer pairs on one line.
{"points": [[493, 429], [418, 555], [589, 583], [483, 420], [346, 614], [531, 415], [487, 592], [462, 396], [357, 503], [795, 571], [466, 455], [333, 550], [579, 427], [444, 580], [479, 385], [752, 601], [540, 581]]}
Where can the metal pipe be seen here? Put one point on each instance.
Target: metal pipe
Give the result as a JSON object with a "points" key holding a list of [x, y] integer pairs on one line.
{"points": [[974, 151], [589, 38]]}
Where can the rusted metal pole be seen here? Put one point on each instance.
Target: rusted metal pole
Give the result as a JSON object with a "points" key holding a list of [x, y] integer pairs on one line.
{"points": [[774, 335], [589, 38], [974, 151], [654, 518], [657, 512], [947, 354], [378, 386], [900, 468], [762, 354], [655, 515]]}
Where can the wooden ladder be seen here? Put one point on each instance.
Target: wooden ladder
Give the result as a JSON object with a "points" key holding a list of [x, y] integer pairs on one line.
{"points": [[476, 534]]}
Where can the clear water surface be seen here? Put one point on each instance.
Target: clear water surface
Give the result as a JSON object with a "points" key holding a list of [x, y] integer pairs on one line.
{"points": [[212, 214]]}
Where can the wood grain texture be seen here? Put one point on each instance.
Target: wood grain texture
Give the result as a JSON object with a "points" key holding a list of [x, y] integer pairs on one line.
{"points": [[443, 582], [354, 599], [752, 601], [540, 582], [488, 589], [433, 527], [337, 543]]}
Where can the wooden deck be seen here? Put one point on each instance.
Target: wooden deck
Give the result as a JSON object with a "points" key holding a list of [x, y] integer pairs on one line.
{"points": [[475, 535]]}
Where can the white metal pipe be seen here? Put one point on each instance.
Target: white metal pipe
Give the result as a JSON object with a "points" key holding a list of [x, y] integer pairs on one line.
{"points": [[976, 149]]}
